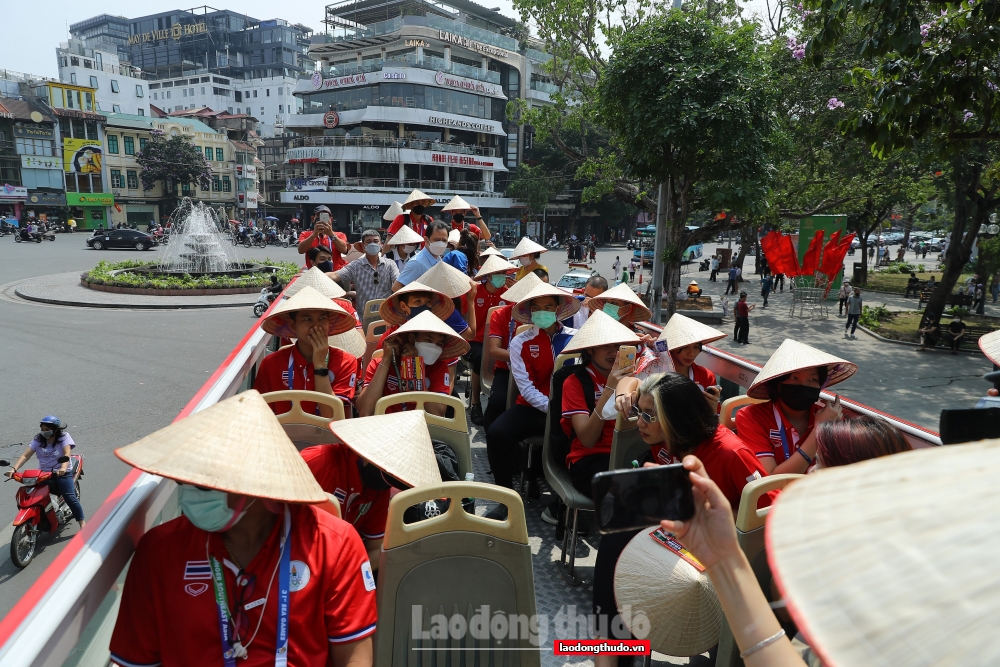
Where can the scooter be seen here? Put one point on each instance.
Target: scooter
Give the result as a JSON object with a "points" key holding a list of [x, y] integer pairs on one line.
{"points": [[24, 235], [49, 235], [264, 301], [38, 510]]}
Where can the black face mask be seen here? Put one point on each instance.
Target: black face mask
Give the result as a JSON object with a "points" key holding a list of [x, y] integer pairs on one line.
{"points": [[373, 478], [798, 396], [326, 267]]}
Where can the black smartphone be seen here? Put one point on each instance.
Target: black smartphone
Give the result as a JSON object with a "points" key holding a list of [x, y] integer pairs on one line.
{"points": [[641, 497]]}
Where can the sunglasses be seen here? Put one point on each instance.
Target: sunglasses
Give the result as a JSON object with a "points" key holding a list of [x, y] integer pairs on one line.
{"points": [[646, 417], [374, 276], [239, 620]]}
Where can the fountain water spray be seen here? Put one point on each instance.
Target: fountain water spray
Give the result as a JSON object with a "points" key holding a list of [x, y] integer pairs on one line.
{"points": [[198, 243]]}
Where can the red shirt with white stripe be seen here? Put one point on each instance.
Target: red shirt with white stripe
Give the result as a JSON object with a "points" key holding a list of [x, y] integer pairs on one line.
{"points": [[485, 299], [575, 403], [168, 614], [420, 227], [438, 379], [532, 361], [757, 427], [500, 327], [335, 467], [273, 376], [338, 260], [701, 376]]}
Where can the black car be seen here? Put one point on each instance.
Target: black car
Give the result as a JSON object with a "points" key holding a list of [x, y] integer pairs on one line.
{"points": [[121, 238]]}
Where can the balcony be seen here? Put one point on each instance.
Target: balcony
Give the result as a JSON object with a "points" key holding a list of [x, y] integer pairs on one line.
{"points": [[409, 184], [543, 87], [391, 142], [410, 60]]}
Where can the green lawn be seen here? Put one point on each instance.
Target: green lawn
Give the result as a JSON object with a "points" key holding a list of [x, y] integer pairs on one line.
{"points": [[903, 326], [896, 282]]}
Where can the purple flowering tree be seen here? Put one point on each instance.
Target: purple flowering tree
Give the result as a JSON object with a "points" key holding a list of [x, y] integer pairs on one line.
{"points": [[174, 161]]}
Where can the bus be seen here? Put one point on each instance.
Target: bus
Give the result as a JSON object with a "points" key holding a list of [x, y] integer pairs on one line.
{"points": [[67, 616], [647, 236]]}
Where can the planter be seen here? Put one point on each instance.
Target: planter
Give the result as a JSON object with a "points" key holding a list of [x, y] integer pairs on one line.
{"points": [[168, 292]]}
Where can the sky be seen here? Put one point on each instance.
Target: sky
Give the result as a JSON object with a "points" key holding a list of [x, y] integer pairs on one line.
{"points": [[30, 38]]}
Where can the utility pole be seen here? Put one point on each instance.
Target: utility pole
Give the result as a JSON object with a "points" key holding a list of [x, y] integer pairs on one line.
{"points": [[656, 282]]}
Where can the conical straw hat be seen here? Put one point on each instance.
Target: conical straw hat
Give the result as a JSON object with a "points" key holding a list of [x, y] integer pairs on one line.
{"points": [[491, 251], [237, 445], [794, 356], [522, 287], [454, 236], [398, 443], [405, 236], [279, 324], [440, 305], [683, 613], [682, 331], [892, 561], [600, 329], [319, 281], [527, 247], [446, 279], [417, 198], [622, 292], [395, 210], [494, 264], [568, 305], [457, 204], [351, 342], [454, 345], [990, 345]]}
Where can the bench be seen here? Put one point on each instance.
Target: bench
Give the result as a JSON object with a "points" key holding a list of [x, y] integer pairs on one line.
{"points": [[970, 341], [964, 300]]}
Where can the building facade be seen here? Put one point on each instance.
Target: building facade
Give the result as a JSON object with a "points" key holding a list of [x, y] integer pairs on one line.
{"points": [[119, 87]]}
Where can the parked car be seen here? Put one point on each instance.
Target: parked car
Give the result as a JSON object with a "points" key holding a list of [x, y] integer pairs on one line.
{"points": [[507, 252], [576, 280], [122, 238]]}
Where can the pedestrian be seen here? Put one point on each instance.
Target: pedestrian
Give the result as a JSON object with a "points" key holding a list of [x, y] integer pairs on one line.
{"points": [[995, 288], [779, 281], [372, 274], [957, 331], [923, 250], [853, 312], [593, 252], [980, 300], [901, 253], [617, 267], [765, 289], [731, 284], [715, 269], [741, 332], [845, 291], [633, 266], [871, 253]]}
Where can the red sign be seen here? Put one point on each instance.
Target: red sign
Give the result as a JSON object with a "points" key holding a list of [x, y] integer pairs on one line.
{"points": [[448, 158], [331, 119]]}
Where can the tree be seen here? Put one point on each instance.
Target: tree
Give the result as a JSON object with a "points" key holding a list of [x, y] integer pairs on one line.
{"points": [[174, 160], [930, 74], [533, 185], [685, 98]]}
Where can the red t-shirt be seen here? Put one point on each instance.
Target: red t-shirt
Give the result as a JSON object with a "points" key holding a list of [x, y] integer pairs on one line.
{"points": [[335, 467], [701, 376], [500, 327], [758, 428], [338, 260], [575, 403], [404, 219], [742, 309], [728, 462], [273, 376], [168, 614], [472, 228], [484, 301], [437, 380]]}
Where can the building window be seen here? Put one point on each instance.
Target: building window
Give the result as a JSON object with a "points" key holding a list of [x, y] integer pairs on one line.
{"points": [[129, 145], [93, 82], [185, 92], [74, 61], [280, 91], [33, 146], [186, 188], [114, 86], [281, 108], [138, 91], [227, 185], [113, 144], [216, 184], [141, 112], [116, 178], [203, 90], [154, 96], [254, 92], [72, 78], [268, 91], [219, 155], [208, 152], [116, 108], [198, 148], [168, 94], [133, 179], [142, 142]]}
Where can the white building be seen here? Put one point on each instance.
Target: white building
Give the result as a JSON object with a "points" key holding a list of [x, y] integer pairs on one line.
{"points": [[120, 87]]}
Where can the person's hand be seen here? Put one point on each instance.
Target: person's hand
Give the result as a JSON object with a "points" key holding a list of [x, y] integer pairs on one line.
{"points": [[624, 402], [10, 473], [320, 343], [992, 392], [710, 535], [647, 340], [391, 347], [712, 395], [475, 212], [830, 412], [472, 291], [616, 375]]}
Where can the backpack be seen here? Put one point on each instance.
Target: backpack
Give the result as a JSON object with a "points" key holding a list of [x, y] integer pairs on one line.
{"points": [[558, 440], [447, 462]]}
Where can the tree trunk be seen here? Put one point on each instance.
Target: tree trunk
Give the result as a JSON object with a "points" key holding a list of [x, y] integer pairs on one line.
{"points": [[747, 235], [908, 228], [864, 234]]}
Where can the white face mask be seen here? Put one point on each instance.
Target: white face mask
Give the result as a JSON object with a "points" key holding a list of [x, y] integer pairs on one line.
{"points": [[437, 248], [526, 261], [429, 351], [409, 248], [372, 248]]}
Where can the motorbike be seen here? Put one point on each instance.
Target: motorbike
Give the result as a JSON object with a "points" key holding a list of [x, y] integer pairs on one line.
{"points": [[705, 263], [24, 235], [38, 510], [255, 238], [264, 301], [49, 235]]}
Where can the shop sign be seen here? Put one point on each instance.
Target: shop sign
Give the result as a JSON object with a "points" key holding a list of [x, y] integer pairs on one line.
{"points": [[176, 31], [416, 42], [393, 75], [82, 156], [318, 82], [464, 160], [90, 199], [310, 154], [443, 79], [486, 49], [246, 171], [34, 132], [371, 207], [463, 124], [40, 162], [315, 184], [331, 119], [247, 199], [13, 191], [47, 198]]}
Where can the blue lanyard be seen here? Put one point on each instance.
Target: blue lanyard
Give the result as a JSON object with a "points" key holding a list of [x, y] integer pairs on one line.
{"points": [[291, 375], [782, 433]]}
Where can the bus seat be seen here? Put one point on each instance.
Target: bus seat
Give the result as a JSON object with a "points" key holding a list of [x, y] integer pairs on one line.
{"points": [[522, 328], [627, 444], [370, 312], [374, 332], [306, 430], [727, 413], [377, 354], [750, 535], [486, 367], [454, 432], [454, 563], [332, 506]]}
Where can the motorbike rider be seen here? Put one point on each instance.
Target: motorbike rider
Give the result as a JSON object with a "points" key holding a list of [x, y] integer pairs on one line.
{"points": [[51, 443]]}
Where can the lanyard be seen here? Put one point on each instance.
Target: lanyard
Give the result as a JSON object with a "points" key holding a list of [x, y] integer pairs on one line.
{"points": [[284, 577], [291, 375], [783, 434]]}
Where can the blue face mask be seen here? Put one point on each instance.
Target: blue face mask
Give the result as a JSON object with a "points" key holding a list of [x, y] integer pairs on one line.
{"points": [[416, 310], [611, 310], [543, 319], [208, 509], [498, 279]]}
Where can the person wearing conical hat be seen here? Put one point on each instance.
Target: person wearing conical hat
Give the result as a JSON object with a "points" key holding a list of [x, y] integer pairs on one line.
{"points": [[502, 328], [622, 304], [461, 289], [325, 285], [402, 245], [532, 361], [311, 364], [323, 236], [782, 429], [527, 253], [413, 214], [425, 338], [435, 247], [252, 568], [494, 276], [458, 207]]}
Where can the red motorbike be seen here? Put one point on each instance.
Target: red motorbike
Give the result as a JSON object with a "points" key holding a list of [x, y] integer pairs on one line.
{"points": [[38, 510]]}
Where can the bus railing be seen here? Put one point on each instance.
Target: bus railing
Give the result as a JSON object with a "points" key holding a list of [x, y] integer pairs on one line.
{"points": [[67, 616]]}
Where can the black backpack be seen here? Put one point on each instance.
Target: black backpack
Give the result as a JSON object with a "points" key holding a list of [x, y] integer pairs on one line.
{"points": [[558, 440]]}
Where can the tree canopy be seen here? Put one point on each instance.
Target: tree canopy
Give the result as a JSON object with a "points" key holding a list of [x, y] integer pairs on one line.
{"points": [[174, 160]]}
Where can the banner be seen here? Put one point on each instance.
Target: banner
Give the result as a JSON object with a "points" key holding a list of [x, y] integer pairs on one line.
{"points": [[314, 184], [810, 261], [829, 224], [82, 156]]}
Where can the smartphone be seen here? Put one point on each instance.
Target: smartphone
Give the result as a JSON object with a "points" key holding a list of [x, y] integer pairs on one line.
{"points": [[626, 356], [641, 497], [324, 217]]}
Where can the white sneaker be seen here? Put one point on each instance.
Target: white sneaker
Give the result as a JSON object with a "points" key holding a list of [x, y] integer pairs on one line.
{"points": [[549, 518]]}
